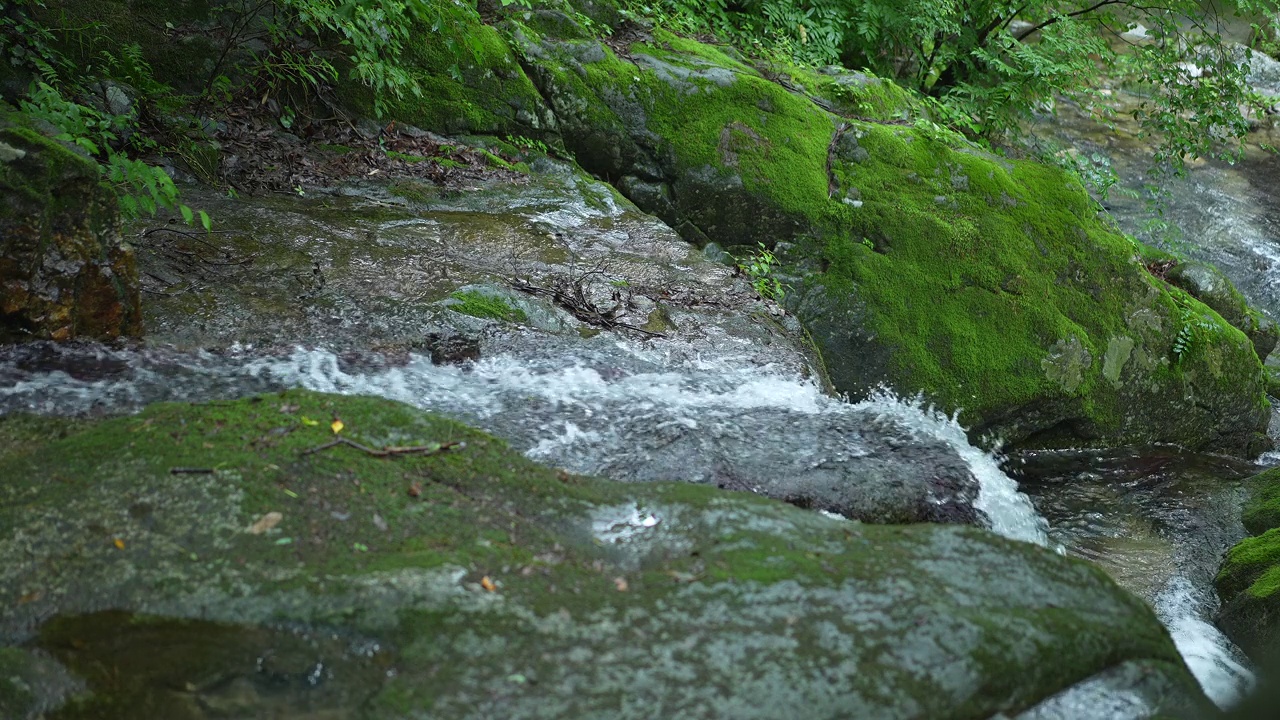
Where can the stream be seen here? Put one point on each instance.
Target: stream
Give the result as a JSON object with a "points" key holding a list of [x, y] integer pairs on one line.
{"points": [[1157, 520], [334, 289]]}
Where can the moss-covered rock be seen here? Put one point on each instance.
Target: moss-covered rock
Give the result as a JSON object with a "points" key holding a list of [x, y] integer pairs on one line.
{"points": [[1248, 581], [916, 260], [1208, 285], [1262, 511], [470, 80], [65, 272], [181, 40], [498, 586]]}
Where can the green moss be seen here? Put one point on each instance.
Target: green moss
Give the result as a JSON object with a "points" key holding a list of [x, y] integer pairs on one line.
{"points": [[469, 78], [994, 285], [21, 433], [1253, 565], [1262, 511], [490, 307], [412, 190], [16, 697], [1272, 378], [859, 95]]}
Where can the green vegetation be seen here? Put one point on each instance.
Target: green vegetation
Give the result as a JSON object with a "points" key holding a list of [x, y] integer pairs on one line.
{"points": [[759, 268], [489, 307], [984, 67]]}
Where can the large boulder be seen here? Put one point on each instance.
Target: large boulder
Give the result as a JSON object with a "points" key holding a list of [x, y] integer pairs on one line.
{"points": [[65, 272], [915, 259], [218, 558]]}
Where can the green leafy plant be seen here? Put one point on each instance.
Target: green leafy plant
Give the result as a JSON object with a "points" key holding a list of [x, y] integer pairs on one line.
{"points": [[759, 268], [1193, 330], [140, 188]]}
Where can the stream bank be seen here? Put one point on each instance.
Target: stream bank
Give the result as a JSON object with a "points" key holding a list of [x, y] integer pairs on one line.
{"points": [[550, 309]]}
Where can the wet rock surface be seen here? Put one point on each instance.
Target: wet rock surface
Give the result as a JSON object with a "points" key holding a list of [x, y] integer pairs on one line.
{"points": [[499, 586]]}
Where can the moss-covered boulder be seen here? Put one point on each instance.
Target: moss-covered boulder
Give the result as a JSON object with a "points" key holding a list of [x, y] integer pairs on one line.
{"points": [[476, 583], [1248, 582], [65, 272], [915, 260], [471, 81]]}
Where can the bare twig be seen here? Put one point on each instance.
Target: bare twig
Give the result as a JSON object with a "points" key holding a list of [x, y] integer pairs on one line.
{"points": [[421, 450]]}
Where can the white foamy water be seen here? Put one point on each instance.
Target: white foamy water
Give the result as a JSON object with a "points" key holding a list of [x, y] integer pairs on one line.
{"points": [[1209, 655], [1011, 512], [577, 406]]}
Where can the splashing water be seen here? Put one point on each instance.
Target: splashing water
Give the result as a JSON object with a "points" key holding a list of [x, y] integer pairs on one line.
{"points": [[1011, 512], [1208, 653]]}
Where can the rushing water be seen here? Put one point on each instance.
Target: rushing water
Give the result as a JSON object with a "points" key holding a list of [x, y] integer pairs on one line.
{"points": [[1158, 520]]}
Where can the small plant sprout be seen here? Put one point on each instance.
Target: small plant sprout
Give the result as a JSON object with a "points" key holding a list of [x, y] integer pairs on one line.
{"points": [[759, 267]]}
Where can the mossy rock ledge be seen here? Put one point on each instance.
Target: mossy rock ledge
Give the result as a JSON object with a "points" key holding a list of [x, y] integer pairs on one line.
{"points": [[480, 584], [915, 260], [65, 272], [1248, 581]]}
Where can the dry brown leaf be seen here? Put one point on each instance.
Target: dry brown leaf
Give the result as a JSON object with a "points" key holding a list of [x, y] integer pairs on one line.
{"points": [[265, 523], [488, 584], [620, 583], [415, 489]]}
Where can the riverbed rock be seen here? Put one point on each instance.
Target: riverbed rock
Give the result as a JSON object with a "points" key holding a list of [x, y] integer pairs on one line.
{"points": [[65, 272], [477, 583], [1248, 582]]}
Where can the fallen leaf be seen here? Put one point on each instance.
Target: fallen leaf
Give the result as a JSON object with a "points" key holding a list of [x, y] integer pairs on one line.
{"points": [[379, 523], [415, 489], [285, 541], [309, 422], [290, 493], [337, 426], [620, 583], [360, 547], [208, 446], [488, 584], [265, 523], [118, 543], [31, 597], [288, 409]]}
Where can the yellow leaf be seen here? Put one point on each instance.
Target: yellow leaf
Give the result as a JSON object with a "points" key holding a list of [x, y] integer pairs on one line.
{"points": [[118, 543], [337, 426], [308, 421], [265, 523], [488, 584]]}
